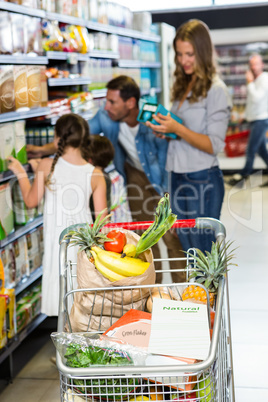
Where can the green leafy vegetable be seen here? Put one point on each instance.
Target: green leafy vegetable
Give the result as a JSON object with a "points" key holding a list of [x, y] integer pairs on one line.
{"points": [[76, 356], [164, 220]]}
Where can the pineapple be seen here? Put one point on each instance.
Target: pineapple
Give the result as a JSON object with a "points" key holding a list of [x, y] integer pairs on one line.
{"points": [[208, 271], [87, 236]]}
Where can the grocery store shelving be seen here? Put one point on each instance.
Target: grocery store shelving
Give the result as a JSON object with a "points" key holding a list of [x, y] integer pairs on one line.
{"points": [[15, 8], [18, 338], [99, 93], [23, 59], [4, 176], [59, 82], [102, 54], [147, 91], [24, 114], [138, 64], [29, 280], [86, 115], [21, 230]]}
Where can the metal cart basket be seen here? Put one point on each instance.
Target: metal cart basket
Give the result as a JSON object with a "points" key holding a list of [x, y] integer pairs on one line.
{"points": [[203, 381]]}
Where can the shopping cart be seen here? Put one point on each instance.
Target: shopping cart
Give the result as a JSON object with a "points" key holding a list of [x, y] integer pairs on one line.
{"points": [[203, 381]]}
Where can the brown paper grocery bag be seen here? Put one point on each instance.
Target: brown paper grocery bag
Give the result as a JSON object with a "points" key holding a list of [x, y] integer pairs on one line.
{"points": [[98, 310]]}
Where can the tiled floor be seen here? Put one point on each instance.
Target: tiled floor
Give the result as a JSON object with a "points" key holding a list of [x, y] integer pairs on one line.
{"points": [[245, 215]]}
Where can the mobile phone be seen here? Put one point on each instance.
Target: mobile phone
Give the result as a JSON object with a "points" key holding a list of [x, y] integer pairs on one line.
{"points": [[147, 111]]}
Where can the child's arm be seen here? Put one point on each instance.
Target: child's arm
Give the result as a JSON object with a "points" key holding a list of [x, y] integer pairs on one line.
{"points": [[32, 194], [98, 186]]}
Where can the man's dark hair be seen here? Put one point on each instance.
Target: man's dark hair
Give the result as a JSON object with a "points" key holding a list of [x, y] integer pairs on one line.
{"points": [[127, 86]]}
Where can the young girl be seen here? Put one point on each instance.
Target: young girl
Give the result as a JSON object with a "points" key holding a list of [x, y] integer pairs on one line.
{"points": [[67, 182]]}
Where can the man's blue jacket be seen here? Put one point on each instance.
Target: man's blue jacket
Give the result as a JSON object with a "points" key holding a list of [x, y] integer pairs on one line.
{"points": [[152, 151]]}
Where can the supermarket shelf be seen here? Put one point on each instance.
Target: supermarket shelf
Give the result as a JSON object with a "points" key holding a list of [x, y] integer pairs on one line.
{"points": [[99, 93], [15, 8], [27, 114], [86, 115], [138, 64], [231, 77], [18, 338], [20, 231], [67, 19], [104, 54], [238, 59], [4, 176], [95, 26], [28, 281], [59, 82], [147, 91], [23, 59]]}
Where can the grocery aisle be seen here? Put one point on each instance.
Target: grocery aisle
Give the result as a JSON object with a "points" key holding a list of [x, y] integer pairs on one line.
{"points": [[245, 216]]}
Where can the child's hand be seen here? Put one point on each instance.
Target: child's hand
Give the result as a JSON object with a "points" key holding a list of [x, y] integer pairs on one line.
{"points": [[15, 166]]}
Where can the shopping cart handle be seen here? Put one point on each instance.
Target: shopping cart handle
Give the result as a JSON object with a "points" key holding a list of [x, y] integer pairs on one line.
{"points": [[199, 223], [186, 223]]}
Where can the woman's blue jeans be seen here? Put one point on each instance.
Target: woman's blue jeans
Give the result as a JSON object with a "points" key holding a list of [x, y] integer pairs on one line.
{"points": [[195, 195], [256, 145]]}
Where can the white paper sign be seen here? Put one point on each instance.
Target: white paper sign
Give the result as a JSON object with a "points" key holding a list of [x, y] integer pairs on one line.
{"points": [[179, 329]]}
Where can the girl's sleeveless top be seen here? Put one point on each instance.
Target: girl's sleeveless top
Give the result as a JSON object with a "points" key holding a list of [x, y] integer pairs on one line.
{"points": [[66, 203]]}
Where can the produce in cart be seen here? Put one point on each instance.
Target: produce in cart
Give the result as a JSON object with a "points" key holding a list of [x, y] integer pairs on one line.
{"points": [[99, 268], [208, 271]]}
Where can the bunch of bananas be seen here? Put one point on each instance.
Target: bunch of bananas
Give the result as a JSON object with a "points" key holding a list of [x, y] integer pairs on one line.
{"points": [[114, 268]]}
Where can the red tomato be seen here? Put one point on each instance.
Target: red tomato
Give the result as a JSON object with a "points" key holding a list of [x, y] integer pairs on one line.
{"points": [[118, 243]]}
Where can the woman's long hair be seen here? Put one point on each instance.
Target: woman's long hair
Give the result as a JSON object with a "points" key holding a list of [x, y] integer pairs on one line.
{"points": [[197, 34], [72, 131]]}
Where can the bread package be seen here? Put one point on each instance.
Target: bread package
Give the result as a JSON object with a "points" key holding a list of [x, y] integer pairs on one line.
{"points": [[6, 46], [7, 91], [20, 86], [34, 86]]}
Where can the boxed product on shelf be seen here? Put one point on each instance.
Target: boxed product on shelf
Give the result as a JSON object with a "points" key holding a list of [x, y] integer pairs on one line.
{"points": [[20, 86], [40, 231], [7, 89], [39, 135], [34, 86], [44, 91], [23, 313], [6, 46], [93, 10], [22, 214], [33, 37], [3, 329], [20, 141], [33, 250], [6, 213], [7, 145], [7, 255], [18, 29], [64, 7], [21, 258], [9, 294], [28, 307], [52, 38], [2, 274], [142, 21]]}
